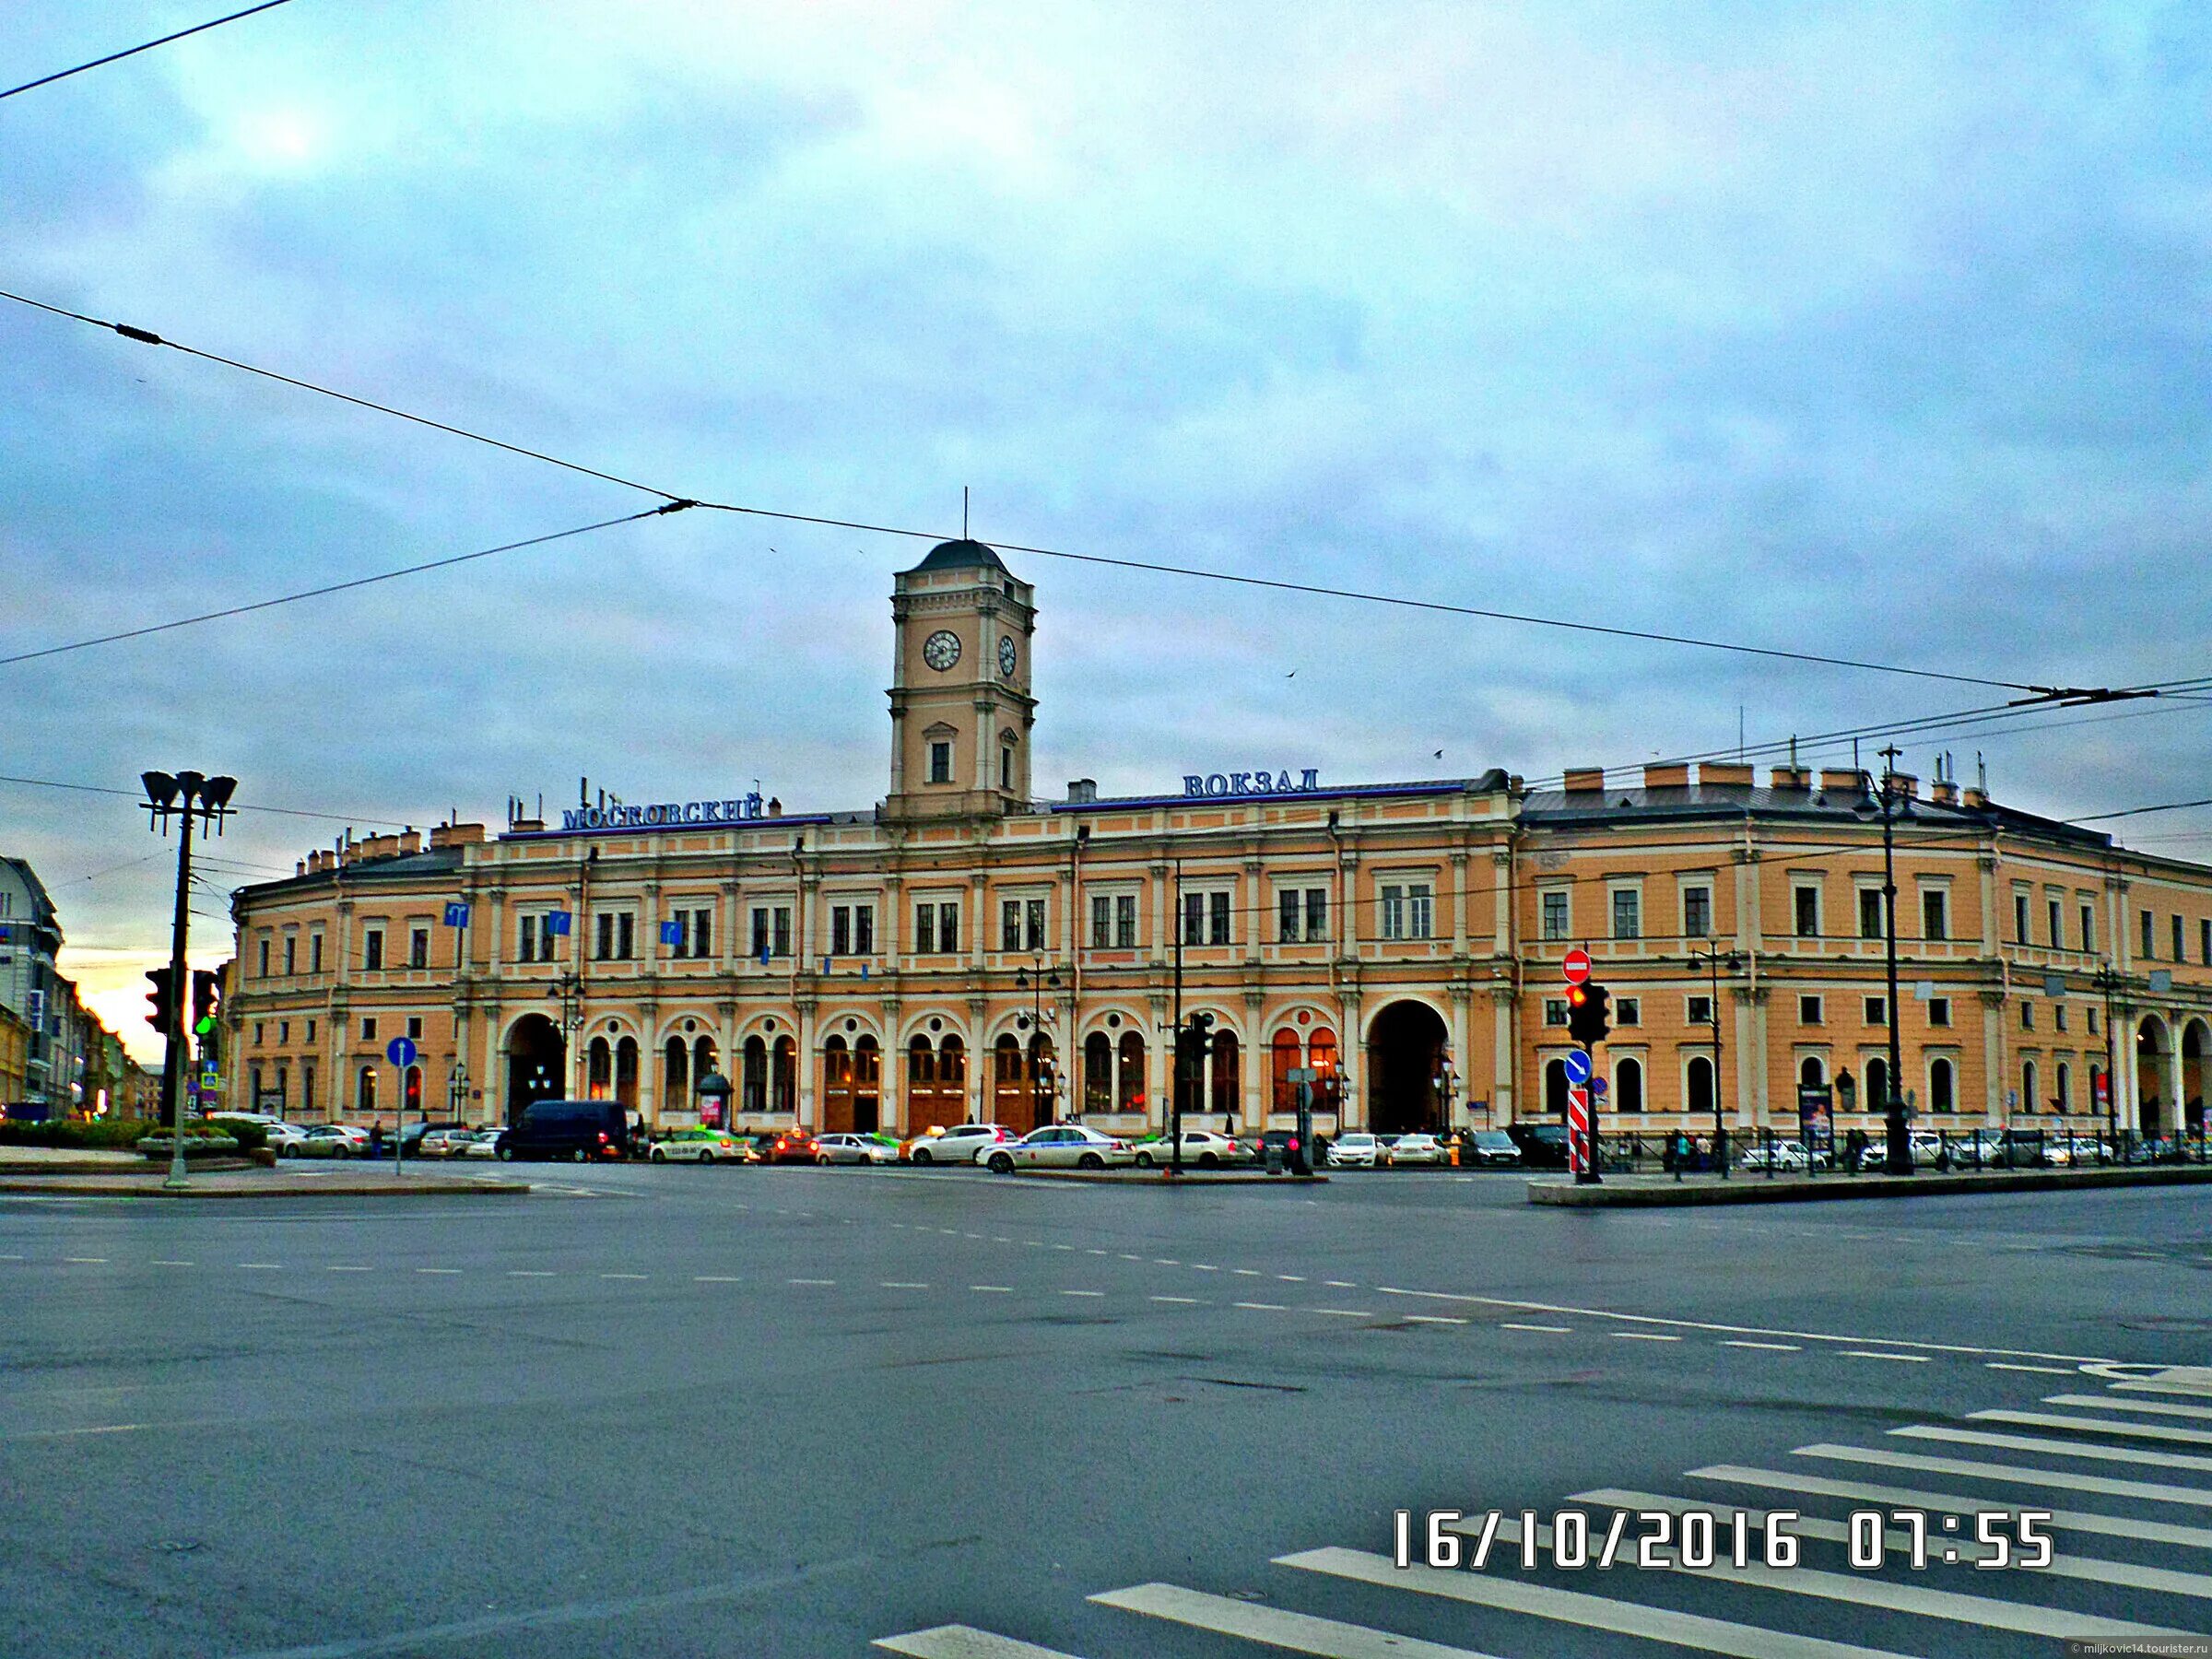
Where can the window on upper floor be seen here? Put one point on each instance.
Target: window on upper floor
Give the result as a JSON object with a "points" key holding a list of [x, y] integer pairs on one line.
{"points": [[1877, 1010], [1407, 911], [2203, 942], [372, 949], [925, 928], [414, 1027], [1628, 1010], [2020, 918], [1628, 913], [1697, 912], [368, 1028], [2150, 936], [2027, 1016], [1940, 1011], [1806, 911], [1101, 921], [419, 948], [314, 953], [291, 954], [1302, 914], [1810, 1010], [940, 761], [1555, 923], [2058, 1016], [1698, 1010], [265, 959], [2181, 951], [1124, 922], [2089, 1019], [1555, 1010], [1934, 914], [841, 930], [1870, 912]]}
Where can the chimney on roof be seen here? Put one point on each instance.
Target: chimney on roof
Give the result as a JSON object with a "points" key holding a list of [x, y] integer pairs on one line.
{"points": [[456, 835], [1713, 772], [1944, 793], [1793, 777], [1674, 774], [411, 841], [1585, 780], [1904, 785], [1846, 780], [1081, 791], [1976, 798]]}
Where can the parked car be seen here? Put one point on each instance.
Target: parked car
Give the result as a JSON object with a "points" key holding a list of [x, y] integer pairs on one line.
{"points": [[958, 1144], [1203, 1148], [280, 1135], [1778, 1156], [790, 1146], [1543, 1146], [329, 1140], [697, 1146], [1055, 1147], [1280, 1140], [583, 1130], [1924, 1147], [855, 1150], [1487, 1148], [1355, 1151], [1417, 1149], [481, 1143], [443, 1143]]}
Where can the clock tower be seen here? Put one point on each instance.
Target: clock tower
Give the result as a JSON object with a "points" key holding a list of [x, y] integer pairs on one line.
{"points": [[961, 712]]}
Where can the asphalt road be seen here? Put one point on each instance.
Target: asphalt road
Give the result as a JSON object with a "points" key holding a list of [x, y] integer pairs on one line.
{"points": [[755, 1412]]}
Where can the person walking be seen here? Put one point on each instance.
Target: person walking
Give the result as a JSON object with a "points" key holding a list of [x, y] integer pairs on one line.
{"points": [[376, 1140]]}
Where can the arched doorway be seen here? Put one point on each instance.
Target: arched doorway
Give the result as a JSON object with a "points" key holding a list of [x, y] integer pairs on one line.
{"points": [[867, 1086], [1697, 1084], [1627, 1085], [1404, 1054], [937, 1085], [837, 1087], [676, 1076], [537, 1064], [1554, 1088], [2154, 1049], [2197, 1038]]}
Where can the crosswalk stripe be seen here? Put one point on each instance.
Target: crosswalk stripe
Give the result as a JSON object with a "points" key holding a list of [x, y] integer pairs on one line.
{"points": [[1278, 1627], [2052, 1419], [2064, 1479], [964, 1641], [2084, 1520], [2057, 1448], [2194, 1379], [1857, 1589], [2147, 1407], [1578, 1607], [2089, 1569]]}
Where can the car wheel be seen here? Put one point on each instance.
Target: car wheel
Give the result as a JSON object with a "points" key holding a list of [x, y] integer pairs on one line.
{"points": [[920, 1155], [1144, 1161], [504, 1154], [658, 1156], [705, 1157], [821, 1160], [1001, 1164], [287, 1151], [580, 1155], [344, 1150], [1206, 1160], [1090, 1160]]}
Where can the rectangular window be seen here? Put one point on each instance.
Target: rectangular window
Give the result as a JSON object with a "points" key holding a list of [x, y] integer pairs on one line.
{"points": [[1870, 912], [863, 930], [265, 959], [626, 935], [2057, 939], [1420, 911], [1101, 921], [2181, 951], [310, 1035], [1697, 912], [2027, 1017], [1287, 913], [291, 954], [1555, 1010], [1934, 914], [2091, 1020], [760, 934], [940, 761], [702, 932], [1628, 913], [419, 948], [841, 930], [1006, 767], [1807, 903], [2020, 918], [949, 926], [314, 953], [1700, 1011], [2149, 939], [1124, 922], [260, 1034], [1809, 1010], [2089, 928], [1940, 1011], [1628, 1011], [1032, 924], [606, 935], [414, 1027], [1394, 912], [2058, 1016], [1010, 924], [1193, 918], [1555, 915], [925, 929], [1317, 914], [1217, 914], [372, 949], [284, 1031], [1877, 1010], [368, 1028], [780, 924]]}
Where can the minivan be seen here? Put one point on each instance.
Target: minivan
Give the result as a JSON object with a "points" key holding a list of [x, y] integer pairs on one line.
{"points": [[581, 1130]]}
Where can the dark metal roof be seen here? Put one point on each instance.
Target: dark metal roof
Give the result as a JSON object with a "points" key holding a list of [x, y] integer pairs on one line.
{"points": [[1490, 782], [431, 860], [962, 554], [1555, 807]]}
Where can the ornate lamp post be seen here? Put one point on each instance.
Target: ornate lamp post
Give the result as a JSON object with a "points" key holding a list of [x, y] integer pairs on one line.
{"points": [[1037, 1021], [186, 796], [1715, 958]]}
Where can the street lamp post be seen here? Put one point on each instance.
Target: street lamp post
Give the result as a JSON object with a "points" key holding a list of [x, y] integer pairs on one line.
{"points": [[1713, 957], [569, 988], [1035, 981], [456, 1090], [185, 797], [1899, 1161]]}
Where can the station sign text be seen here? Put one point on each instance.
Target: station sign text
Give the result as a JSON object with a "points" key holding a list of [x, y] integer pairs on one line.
{"points": [[663, 814], [1262, 783]]}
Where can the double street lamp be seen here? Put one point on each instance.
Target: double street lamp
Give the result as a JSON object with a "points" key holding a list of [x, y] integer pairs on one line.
{"points": [[187, 796], [1036, 1021], [1715, 958]]}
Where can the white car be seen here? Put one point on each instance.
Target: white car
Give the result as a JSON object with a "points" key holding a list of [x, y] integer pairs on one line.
{"points": [[444, 1143], [958, 1144], [282, 1135], [329, 1140], [1417, 1150], [484, 1143], [1355, 1151], [697, 1146], [1055, 1147], [1202, 1148], [1922, 1146], [855, 1150]]}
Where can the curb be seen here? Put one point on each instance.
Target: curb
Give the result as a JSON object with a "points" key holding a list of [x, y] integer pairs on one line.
{"points": [[1166, 1178], [150, 1187], [1759, 1190]]}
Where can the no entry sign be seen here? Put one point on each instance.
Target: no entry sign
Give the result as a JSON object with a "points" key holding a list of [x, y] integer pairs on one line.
{"points": [[1576, 966]]}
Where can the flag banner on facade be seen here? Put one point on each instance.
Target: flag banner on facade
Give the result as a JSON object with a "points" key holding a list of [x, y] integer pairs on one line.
{"points": [[456, 915], [672, 934], [556, 922], [763, 956]]}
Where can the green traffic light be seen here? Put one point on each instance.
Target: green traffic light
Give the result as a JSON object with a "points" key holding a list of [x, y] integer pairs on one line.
{"points": [[204, 1026]]}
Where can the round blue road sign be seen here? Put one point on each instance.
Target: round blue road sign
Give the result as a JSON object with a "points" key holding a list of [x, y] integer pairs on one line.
{"points": [[400, 1051], [1578, 1067]]}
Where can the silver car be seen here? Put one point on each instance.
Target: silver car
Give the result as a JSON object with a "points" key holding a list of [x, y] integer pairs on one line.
{"points": [[1201, 1147], [330, 1140], [1417, 1149], [958, 1144], [854, 1149], [1057, 1146]]}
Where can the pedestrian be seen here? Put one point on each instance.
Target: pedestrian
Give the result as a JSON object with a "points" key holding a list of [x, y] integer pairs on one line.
{"points": [[376, 1140]]}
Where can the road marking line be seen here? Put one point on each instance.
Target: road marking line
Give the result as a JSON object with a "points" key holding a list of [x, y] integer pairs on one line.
{"points": [[1162, 1261], [1638, 1336], [1435, 1319], [1291, 1279], [999, 1241], [2147, 1407], [1877, 1354], [1088, 1251], [624, 1276], [2088, 1520], [1127, 1257], [1186, 1301], [903, 1285], [1579, 1608], [716, 1279], [963, 1642], [800, 1281], [1277, 1627], [2026, 1442], [1507, 1324], [1340, 1284], [1082, 1292], [2052, 1419], [1070, 1247], [529, 1273], [1773, 1348], [998, 1289], [73, 1433], [1263, 1307], [2064, 1479], [952, 1233], [349, 1270], [158, 1263], [87, 1261], [455, 1270], [1342, 1313], [2195, 1381], [16, 1258], [264, 1266], [1248, 1273], [2048, 1370]]}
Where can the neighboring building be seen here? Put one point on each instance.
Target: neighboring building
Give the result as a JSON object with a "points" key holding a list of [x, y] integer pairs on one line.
{"points": [[15, 1057], [964, 951], [32, 987]]}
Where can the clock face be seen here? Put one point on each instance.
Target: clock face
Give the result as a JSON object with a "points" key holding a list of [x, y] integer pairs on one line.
{"points": [[1005, 655], [941, 650]]}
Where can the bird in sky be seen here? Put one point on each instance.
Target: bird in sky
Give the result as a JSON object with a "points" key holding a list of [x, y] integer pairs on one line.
{"points": [[1292, 674], [1439, 754]]}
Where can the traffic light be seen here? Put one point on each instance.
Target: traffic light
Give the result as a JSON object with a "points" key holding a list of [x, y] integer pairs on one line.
{"points": [[206, 998], [162, 1000], [1589, 1012]]}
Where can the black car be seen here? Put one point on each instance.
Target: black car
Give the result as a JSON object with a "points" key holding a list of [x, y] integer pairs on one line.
{"points": [[1543, 1146], [1486, 1148], [584, 1131]]}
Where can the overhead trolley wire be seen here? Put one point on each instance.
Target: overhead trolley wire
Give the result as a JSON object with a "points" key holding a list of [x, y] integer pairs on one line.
{"points": [[112, 57]]}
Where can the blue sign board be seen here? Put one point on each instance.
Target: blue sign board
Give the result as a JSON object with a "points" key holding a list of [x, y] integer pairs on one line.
{"points": [[400, 1051], [556, 922], [1261, 783], [456, 914], [672, 934], [1578, 1067]]}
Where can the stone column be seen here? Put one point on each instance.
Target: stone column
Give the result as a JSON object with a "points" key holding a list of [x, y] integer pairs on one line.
{"points": [[1993, 1061], [1506, 1062]]}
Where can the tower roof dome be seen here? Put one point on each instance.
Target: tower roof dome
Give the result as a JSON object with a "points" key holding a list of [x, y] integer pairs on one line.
{"points": [[956, 555]]}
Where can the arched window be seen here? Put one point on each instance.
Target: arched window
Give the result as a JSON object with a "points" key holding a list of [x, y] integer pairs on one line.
{"points": [[952, 1064], [783, 1076], [1011, 1098], [753, 1091], [1282, 1060], [2028, 1094], [364, 1094], [1554, 1087], [676, 1076], [626, 1072], [1811, 1073], [411, 1090], [2065, 1086], [1226, 1079], [1129, 1083], [1627, 1086], [705, 1058], [1328, 1082], [1940, 1092], [1098, 1072], [1044, 1072], [1698, 1093], [867, 1085], [600, 1073]]}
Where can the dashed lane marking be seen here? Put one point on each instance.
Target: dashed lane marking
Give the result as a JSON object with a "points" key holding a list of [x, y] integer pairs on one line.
{"points": [[625, 1276], [903, 1285], [994, 1290], [801, 1281], [1248, 1273], [1186, 1301], [1778, 1347], [1877, 1354], [528, 1273], [264, 1266], [455, 1272], [349, 1269], [1507, 1324], [87, 1261], [1342, 1312], [160, 1263], [1445, 1319], [1082, 1292], [1263, 1307], [716, 1279], [1641, 1337], [1291, 1279], [1340, 1284], [2047, 1371]]}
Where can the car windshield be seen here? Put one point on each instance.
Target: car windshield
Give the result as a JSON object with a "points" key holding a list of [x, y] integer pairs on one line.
{"points": [[1492, 1137]]}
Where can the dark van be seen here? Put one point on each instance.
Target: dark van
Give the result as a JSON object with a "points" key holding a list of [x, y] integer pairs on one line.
{"points": [[581, 1130]]}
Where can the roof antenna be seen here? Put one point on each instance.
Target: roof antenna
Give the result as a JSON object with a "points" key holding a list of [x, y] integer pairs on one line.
{"points": [[963, 512], [1980, 772]]}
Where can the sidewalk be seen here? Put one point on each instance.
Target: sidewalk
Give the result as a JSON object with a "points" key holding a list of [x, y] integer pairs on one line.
{"points": [[63, 1173], [1629, 1191]]}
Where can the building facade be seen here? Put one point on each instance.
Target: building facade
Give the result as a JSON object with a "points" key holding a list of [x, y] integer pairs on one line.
{"points": [[965, 951]]}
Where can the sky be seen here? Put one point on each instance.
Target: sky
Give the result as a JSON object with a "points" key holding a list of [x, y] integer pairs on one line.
{"points": [[1870, 331]]}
